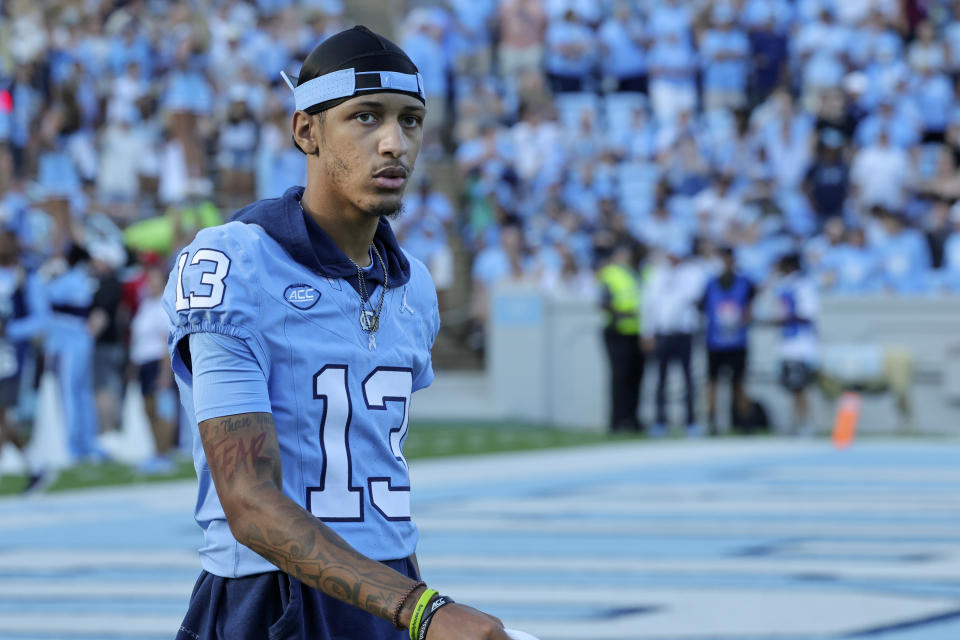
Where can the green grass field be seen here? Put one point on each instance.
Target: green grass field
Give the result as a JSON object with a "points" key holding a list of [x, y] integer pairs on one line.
{"points": [[426, 440]]}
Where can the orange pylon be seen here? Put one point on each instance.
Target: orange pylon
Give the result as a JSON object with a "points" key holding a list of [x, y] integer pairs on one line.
{"points": [[845, 422]]}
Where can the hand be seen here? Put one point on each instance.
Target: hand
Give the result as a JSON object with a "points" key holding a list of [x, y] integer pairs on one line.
{"points": [[460, 622]]}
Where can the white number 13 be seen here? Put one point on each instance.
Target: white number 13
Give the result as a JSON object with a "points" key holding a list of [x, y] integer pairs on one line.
{"points": [[337, 499], [213, 279]]}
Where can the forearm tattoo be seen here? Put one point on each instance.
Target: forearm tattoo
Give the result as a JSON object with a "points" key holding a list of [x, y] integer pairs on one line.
{"points": [[244, 460]]}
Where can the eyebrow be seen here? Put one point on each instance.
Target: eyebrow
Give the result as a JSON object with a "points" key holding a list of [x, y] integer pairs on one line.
{"points": [[376, 104]]}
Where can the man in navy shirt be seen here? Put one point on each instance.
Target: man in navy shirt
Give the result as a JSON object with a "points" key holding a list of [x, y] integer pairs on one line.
{"points": [[726, 305]]}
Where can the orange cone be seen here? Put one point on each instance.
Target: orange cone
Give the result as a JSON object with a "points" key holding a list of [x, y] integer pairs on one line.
{"points": [[845, 422]]}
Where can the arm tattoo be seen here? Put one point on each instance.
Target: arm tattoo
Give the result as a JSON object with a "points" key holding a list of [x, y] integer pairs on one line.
{"points": [[235, 423], [244, 459], [243, 444]]}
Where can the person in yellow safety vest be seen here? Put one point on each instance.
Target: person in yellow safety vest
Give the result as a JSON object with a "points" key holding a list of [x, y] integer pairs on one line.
{"points": [[620, 284]]}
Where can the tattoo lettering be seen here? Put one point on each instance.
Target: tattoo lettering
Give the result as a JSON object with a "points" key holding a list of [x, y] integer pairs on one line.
{"points": [[237, 452], [235, 423]]}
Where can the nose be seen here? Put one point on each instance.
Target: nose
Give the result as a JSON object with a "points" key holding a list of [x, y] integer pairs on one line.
{"points": [[393, 140]]}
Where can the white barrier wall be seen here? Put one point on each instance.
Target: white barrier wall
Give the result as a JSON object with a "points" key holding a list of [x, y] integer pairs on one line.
{"points": [[545, 361]]}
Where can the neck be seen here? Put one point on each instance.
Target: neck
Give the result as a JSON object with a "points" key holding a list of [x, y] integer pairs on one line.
{"points": [[350, 229]]}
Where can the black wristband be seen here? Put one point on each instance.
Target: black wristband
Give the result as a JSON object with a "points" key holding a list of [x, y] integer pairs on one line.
{"points": [[432, 608]]}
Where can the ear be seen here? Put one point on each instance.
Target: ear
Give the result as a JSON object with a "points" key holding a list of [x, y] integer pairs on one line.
{"points": [[303, 126]]}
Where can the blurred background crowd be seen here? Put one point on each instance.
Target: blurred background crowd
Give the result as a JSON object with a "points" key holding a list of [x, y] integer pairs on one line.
{"points": [[557, 129]]}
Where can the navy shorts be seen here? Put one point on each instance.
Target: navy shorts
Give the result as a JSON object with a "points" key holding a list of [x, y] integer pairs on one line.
{"points": [[796, 375], [274, 606], [734, 360], [149, 373]]}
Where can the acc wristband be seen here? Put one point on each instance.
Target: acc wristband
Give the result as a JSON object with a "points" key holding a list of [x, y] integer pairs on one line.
{"points": [[435, 605], [418, 610]]}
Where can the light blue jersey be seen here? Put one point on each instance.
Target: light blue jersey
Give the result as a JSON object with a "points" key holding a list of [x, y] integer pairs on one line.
{"points": [[339, 400]]}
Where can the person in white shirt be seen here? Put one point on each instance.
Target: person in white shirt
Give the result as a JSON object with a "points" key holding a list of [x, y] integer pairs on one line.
{"points": [[797, 307], [148, 352], [670, 319], [881, 173]]}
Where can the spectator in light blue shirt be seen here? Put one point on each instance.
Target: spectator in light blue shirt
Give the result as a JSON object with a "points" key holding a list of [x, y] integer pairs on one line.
{"points": [[669, 18], [27, 104], [724, 60], [188, 90], [927, 50], [851, 266], [472, 35], [900, 128], [571, 53], [904, 255], [822, 72], [130, 48], [427, 45], [491, 265], [874, 40], [951, 38], [581, 192], [262, 50], [57, 174], [884, 69], [639, 141], [622, 45], [272, 7], [672, 65], [756, 256], [934, 97]]}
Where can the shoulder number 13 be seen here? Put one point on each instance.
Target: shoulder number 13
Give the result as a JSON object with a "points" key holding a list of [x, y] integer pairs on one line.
{"points": [[212, 279], [336, 499]]}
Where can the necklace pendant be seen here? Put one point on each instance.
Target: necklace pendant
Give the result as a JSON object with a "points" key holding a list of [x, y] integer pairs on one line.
{"points": [[369, 322], [371, 342]]}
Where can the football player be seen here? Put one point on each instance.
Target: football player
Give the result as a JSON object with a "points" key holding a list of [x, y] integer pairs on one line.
{"points": [[298, 332]]}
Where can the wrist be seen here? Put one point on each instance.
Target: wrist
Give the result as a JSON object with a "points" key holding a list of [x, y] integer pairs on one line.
{"points": [[409, 603], [436, 603], [423, 602]]}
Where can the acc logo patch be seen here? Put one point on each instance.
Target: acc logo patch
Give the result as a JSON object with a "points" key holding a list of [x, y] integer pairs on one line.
{"points": [[302, 296]]}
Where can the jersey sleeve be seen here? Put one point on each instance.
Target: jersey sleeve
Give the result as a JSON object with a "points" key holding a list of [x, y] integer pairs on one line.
{"points": [[214, 287], [425, 291], [227, 378]]}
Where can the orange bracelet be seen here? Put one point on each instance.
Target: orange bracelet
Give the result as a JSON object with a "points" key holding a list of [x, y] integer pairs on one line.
{"points": [[403, 600]]}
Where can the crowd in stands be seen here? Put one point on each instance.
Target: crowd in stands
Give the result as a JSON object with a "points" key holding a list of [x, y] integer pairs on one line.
{"points": [[831, 127]]}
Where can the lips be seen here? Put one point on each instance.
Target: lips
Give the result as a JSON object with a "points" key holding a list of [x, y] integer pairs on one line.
{"points": [[393, 177]]}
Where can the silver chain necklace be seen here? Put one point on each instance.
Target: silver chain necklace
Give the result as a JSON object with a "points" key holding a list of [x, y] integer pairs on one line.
{"points": [[370, 318]]}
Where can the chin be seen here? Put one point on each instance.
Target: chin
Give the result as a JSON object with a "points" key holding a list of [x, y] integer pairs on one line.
{"points": [[389, 206]]}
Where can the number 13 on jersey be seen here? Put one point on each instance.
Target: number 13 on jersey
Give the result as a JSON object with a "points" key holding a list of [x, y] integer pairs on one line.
{"points": [[337, 499], [211, 297]]}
